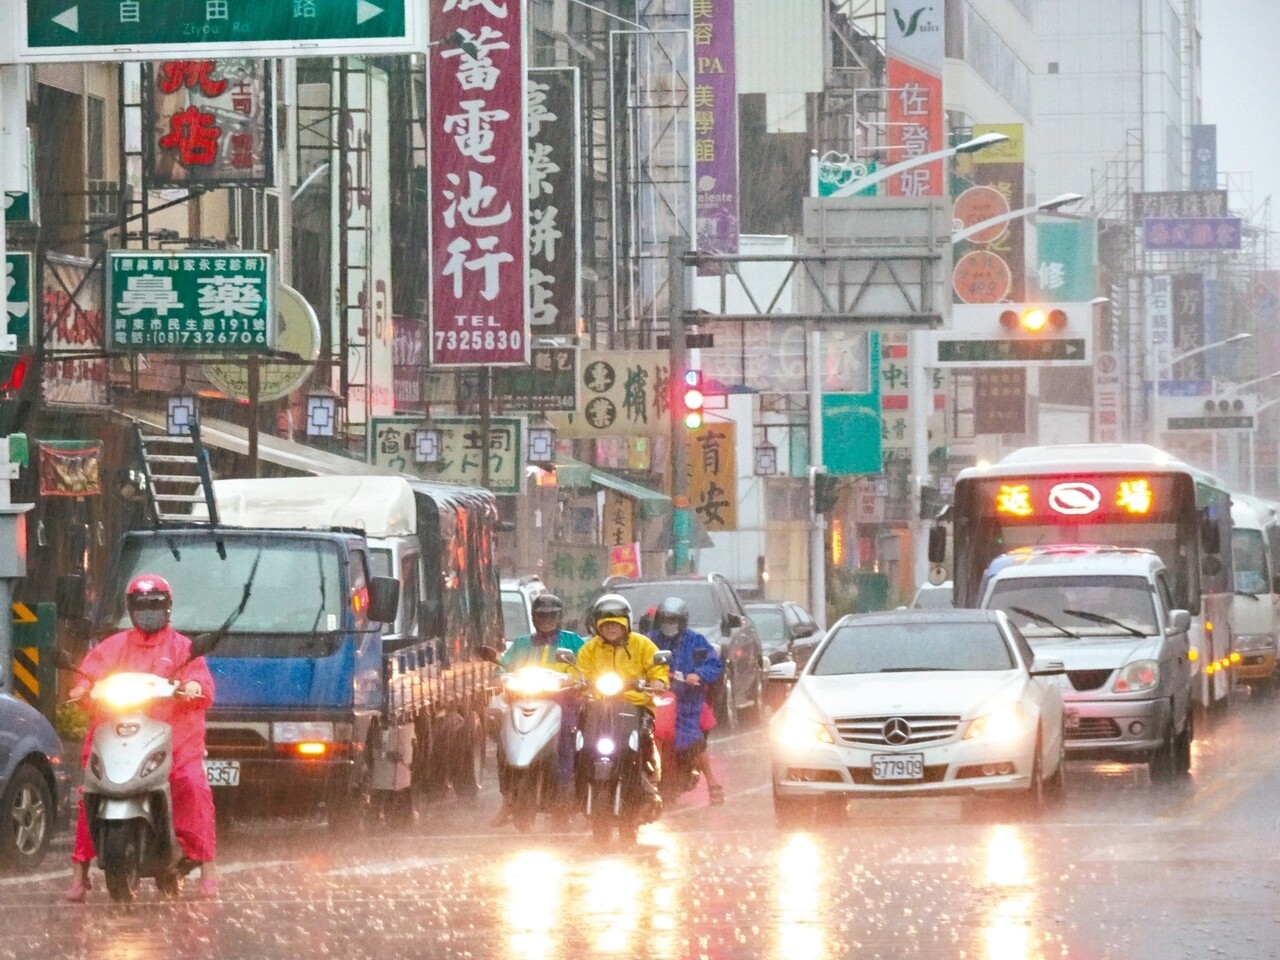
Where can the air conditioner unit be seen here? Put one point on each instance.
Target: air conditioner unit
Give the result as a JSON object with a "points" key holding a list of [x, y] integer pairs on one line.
{"points": [[103, 200]]}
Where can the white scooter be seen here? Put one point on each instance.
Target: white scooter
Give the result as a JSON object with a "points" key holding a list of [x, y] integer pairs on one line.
{"points": [[528, 725]]}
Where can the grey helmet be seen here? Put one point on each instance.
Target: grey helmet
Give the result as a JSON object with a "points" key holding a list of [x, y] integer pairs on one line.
{"points": [[672, 618]]}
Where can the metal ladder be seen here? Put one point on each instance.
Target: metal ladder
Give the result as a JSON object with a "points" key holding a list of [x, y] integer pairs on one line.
{"points": [[176, 468]]}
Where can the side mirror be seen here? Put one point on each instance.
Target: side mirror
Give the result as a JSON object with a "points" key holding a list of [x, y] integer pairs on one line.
{"points": [[784, 672], [1179, 621], [69, 596], [64, 661], [487, 654], [203, 644], [1210, 565], [1210, 541], [1048, 668], [730, 622], [384, 599], [565, 657], [662, 658], [801, 630], [937, 544]]}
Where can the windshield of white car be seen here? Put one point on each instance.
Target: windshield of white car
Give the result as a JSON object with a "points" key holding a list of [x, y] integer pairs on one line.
{"points": [[515, 616], [914, 647], [1248, 559], [1041, 606]]}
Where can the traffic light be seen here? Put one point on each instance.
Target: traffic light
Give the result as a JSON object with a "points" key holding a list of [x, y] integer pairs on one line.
{"points": [[693, 399], [1033, 319], [824, 492], [19, 383]]}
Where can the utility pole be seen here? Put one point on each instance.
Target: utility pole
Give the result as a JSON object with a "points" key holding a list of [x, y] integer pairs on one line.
{"points": [[678, 296], [818, 526], [485, 410]]}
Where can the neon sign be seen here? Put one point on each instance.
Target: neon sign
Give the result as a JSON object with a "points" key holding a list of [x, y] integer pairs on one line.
{"points": [[1088, 499], [1014, 499], [1074, 499]]}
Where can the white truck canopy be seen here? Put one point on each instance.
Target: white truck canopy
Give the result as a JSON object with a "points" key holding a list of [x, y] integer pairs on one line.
{"points": [[380, 506]]}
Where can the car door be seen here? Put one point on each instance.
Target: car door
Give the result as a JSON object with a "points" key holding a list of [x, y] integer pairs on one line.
{"points": [[805, 635], [1045, 693]]}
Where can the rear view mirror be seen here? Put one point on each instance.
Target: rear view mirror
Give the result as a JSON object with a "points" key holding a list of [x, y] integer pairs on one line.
{"points": [[662, 658], [1179, 621], [730, 622], [384, 599], [70, 596], [487, 654], [937, 543], [565, 657]]}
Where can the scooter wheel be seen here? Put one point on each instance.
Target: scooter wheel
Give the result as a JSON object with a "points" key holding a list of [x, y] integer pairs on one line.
{"points": [[120, 857]]}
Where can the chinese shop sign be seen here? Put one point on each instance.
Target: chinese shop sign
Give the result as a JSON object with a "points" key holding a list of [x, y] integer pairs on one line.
{"points": [[555, 245], [992, 267], [17, 297], [1180, 204], [74, 371], [191, 302], [69, 468], [618, 522], [210, 122], [1000, 401], [479, 204], [713, 475], [715, 127], [573, 572], [1185, 233], [915, 55], [620, 394], [547, 384], [392, 445]]}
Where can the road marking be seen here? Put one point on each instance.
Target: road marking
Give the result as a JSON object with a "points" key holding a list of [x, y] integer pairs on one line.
{"points": [[389, 867]]}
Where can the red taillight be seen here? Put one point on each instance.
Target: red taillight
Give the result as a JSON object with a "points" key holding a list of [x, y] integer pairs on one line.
{"points": [[312, 749]]}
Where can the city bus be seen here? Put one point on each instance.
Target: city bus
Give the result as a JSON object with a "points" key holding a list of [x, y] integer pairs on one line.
{"points": [[1255, 612], [1123, 495]]}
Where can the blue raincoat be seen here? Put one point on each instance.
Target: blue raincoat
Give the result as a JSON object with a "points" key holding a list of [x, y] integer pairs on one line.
{"points": [[690, 653]]}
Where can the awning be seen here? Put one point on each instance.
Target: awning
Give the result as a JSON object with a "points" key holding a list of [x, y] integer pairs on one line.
{"points": [[283, 453], [576, 475]]}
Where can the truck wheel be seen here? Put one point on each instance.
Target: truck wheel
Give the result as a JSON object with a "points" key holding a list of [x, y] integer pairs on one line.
{"points": [[26, 819], [120, 858]]}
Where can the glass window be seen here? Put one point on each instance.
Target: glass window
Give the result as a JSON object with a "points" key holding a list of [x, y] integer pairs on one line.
{"points": [[914, 647], [515, 616], [1249, 557], [699, 596], [408, 593], [1079, 604], [769, 624]]}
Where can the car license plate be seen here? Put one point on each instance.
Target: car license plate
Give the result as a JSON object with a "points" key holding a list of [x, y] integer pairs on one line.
{"points": [[902, 766], [222, 773]]}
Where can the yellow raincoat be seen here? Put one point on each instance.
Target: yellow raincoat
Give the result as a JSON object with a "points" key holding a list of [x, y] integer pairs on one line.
{"points": [[630, 661]]}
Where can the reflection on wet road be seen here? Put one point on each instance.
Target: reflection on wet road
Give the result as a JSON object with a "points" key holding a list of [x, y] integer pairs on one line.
{"points": [[1118, 871]]}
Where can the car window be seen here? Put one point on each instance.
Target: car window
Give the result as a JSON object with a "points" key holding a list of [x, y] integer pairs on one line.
{"points": [[1166, 595], [1024, 648], [910, 647], [1030, 601], [697, 594], [515, 615], [770, 624]]}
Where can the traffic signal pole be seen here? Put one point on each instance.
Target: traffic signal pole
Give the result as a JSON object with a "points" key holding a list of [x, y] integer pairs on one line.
{"points": [[678, 303], [818, 524]]}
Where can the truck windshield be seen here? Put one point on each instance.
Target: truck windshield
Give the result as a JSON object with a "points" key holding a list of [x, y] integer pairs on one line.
{"points": [[297, 589], [1128, 600], [1249, 557]]}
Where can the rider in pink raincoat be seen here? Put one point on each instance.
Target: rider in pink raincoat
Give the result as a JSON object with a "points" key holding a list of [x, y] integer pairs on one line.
{"points": [[153, 646]]}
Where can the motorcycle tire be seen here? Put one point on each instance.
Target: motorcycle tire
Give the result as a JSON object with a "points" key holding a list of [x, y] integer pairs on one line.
{"points": [[121, 858]]}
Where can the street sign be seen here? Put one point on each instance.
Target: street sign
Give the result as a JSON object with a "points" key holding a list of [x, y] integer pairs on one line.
{"points": [[190, 302], [1242, 422], [89, 30], [968, 353]]}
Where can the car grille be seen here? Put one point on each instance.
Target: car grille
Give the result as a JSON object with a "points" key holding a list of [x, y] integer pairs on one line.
{"points": [[1094, 728], [934, 773], [1088, 679], [871, 730]]}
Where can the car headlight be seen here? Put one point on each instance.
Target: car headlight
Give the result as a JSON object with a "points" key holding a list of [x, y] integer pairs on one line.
{"points": [[1002, 724], [1137, 676], [300, 731], [792, 729], [1255, 641]]}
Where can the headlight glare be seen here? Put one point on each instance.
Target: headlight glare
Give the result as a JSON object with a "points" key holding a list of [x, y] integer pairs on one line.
{"points": [[1137, 676], [792, 729], [124, 690], [1003, 724], [609, 685]]}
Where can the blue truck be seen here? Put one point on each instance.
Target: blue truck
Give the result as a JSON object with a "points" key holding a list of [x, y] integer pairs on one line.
{"points": [[350, 680]]}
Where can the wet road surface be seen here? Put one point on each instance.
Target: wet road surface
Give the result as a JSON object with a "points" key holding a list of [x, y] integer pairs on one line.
{"points": [[1119, 870]]}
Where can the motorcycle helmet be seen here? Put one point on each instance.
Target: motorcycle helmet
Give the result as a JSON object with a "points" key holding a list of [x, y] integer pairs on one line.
{"points": [[672, 618], [546, 605], [611, 608], [149, 599]]}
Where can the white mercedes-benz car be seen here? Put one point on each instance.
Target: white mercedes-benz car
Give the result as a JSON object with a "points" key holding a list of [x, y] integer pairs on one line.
{"points": [[917, 702]]}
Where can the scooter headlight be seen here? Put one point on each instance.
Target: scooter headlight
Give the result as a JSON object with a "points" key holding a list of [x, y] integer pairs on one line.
{"points": [[153, 763], [609, 685], [532, 681], [123, 691], [605, 747]]}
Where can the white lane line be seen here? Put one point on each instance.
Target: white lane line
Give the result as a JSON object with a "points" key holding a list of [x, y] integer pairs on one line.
{"points": [[388, 867], [36, 877], [238, 867], [682, 811]]}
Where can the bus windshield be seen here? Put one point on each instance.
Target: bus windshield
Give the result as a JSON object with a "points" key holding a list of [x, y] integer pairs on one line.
{"points": [[297, 590]]}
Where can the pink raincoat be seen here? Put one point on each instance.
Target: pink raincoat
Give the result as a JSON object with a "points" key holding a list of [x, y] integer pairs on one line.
{"points": [[161, 653]]}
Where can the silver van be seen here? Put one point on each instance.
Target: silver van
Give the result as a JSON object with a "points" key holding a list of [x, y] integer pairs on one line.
{"points": [[1106, 613]]}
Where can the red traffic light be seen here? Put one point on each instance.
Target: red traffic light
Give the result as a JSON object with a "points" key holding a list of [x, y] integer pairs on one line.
{"points": [[13, 372]]}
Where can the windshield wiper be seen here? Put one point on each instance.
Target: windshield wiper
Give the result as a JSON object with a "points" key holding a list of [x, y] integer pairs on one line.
{"points": [[1110, 621], [1040, 618], [1246, 593], [913, 669], [324, 601]]}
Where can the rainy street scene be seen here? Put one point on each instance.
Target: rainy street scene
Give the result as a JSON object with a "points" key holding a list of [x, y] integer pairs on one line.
{"points": [[658, 479]]}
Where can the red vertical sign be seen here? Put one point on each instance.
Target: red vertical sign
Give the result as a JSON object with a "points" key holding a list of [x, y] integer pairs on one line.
{"points": [[917, 124], [479, 204]]}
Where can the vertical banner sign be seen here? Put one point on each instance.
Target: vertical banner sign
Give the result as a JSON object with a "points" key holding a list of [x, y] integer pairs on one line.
{"points": [[74, 371], [479, 203], [555, 235], [1066, 260], [895, 415], [1204, 156], [1159, 301], [715, 127], [713, 475], [992, 267], [1187, 291], [1106, 398], [916, 52], [1000, 401], [620, 394], [618, 522], [17, 297], [210, 123]]}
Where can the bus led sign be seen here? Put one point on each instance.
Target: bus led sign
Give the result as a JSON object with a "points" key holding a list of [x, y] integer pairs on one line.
{"points": [[1096, 498]]}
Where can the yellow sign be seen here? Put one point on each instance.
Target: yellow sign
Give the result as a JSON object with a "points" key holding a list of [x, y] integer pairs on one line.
{"points": [[23, 614], [1012, 150], [713, 475], [620, 394]]}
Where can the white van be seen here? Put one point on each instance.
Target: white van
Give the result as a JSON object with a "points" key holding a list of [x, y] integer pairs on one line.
{"points": [[1255, 608], [1106, 613]]}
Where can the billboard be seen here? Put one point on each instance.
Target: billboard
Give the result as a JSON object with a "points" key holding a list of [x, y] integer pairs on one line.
{"points": [[991, 266], [915, 50], [715, 128], [555, 236], [1204, 156]]}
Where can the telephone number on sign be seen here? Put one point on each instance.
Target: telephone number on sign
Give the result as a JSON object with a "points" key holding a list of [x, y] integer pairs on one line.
{"points": [[193, 338], [479, 340]]}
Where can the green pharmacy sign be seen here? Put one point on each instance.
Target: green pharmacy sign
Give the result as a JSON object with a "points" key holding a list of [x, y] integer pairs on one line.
{"points": [[205, 302], [17, 288]]}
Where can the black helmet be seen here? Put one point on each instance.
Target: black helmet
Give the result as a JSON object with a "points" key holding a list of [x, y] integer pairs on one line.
{"points": [[672, 618], [547, 603], [613, 607]]}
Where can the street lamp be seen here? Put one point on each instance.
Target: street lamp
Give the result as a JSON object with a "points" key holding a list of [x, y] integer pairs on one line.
{"points": [[853, 187], [1231, 388], [1156, 430], [1063, 200]]}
